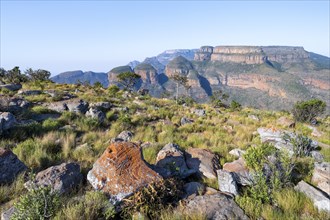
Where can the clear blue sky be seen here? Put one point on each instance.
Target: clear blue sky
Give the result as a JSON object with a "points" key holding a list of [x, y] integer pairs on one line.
{"points": [[99, 35]]}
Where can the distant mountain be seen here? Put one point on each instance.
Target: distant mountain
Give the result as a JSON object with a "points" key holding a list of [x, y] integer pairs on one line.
{"points": [[272, 77], [73, 77]]}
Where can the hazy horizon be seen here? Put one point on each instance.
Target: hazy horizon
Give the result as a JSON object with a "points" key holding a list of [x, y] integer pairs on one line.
{"points": [[96, 36]]}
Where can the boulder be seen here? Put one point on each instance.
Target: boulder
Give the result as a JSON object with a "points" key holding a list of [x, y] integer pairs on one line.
{"points": [[321, 176], [101, 105], [253, 117], [57, 106], [315, 132], [62, 178], [286, 122], [7, 215], [11, 87], [10, 166], [95, 113], [200, 112], [237, 152], [185, 120], [320, 199], [77, 106], [240, 171], [203, 162], [29, 92], [318, 157], [215, 206], [227, 182], [121, 171], [123, 136], [193, 188], [7, 120], [171, 159]]}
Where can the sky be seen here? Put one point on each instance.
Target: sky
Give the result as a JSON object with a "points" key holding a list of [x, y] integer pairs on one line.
{"points": [[97, 36]]}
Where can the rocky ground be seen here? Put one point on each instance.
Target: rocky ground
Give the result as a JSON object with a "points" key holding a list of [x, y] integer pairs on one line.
{"points": [[151, 158]]}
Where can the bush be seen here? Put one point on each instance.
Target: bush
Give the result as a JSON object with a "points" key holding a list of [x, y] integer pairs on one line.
{"points": [[302, 145], [38, 203], [235, 105], [152, 199], [306, 111]]}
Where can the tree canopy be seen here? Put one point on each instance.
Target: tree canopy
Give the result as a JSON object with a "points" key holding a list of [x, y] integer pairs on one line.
{"points": [[128, 79]]}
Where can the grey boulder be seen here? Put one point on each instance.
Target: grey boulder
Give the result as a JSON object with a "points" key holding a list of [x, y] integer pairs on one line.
{"points": [[227, 182], [10, 166]]}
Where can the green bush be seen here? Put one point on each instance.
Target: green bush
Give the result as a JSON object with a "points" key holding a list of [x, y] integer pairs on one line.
{"points": [[306, 111], [302, 145], [51, 124], [235, 105], [38, 203]]}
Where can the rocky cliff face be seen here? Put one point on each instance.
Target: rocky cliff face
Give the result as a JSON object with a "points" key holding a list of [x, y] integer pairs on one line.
{"points": [[251, 54], [147, 72]]}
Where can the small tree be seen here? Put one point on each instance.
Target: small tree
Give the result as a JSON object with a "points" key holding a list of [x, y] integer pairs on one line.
{"points": [[128, 79], [180, 80], [306, 111], [38, 75], [15, 76], [219, 98]]}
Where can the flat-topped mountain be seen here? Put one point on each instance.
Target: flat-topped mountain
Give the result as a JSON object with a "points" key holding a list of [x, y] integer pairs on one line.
{"points": [[73, 77]]}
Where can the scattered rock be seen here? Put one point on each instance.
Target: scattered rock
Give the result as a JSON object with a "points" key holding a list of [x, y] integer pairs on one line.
{"points": [[10, 166], [315, 132], [57, 106], [241, 172], [321, 176], [210, 191], [237, 152], [254, 117], [121, 171], [172, 160], [320, 200], [123, 136], [101, 105], [200, 112], [193, 189], [286, 122], [61, 178], [7, 120], [95, 113], [121, 109], [11, 87], [216, 206], [7, 215], [203, 162], [318, 157], [185, 120], [77, 106], [227, 183], [29, 92]]}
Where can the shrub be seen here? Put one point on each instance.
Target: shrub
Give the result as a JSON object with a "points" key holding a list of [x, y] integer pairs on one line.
{"points": [[112, 90], [306, 111], [38, 203], [302, 145], [51, 124], [235, 105], [152, 199]]}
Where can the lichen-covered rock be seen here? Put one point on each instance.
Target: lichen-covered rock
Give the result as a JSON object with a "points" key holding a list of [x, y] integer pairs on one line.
{"points": [[227, 182], [61, 178], [185, 120], [77, 106], [203, 162], [57, 106], [321, 176], [320, 200], [96, 114], [215, 206], [7, 120], [172, 161], [121, 171], [10, 166], [240, 171]]}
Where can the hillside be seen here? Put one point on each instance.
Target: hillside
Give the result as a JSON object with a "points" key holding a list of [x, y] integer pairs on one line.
{"points": [[73, 77], [108, 154]]}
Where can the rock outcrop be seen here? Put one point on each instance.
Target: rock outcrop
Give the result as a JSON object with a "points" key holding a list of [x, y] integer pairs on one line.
{"points": [[178, 66], [216, 206], [321, 176], [10, 166], [320, 200], [112, 74], [11, 87], [240, 171], [147, 72], [62, 178], [7, 121], [172, 162], [96, 114], [121, 171], [227, 182], [204, 162]]}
